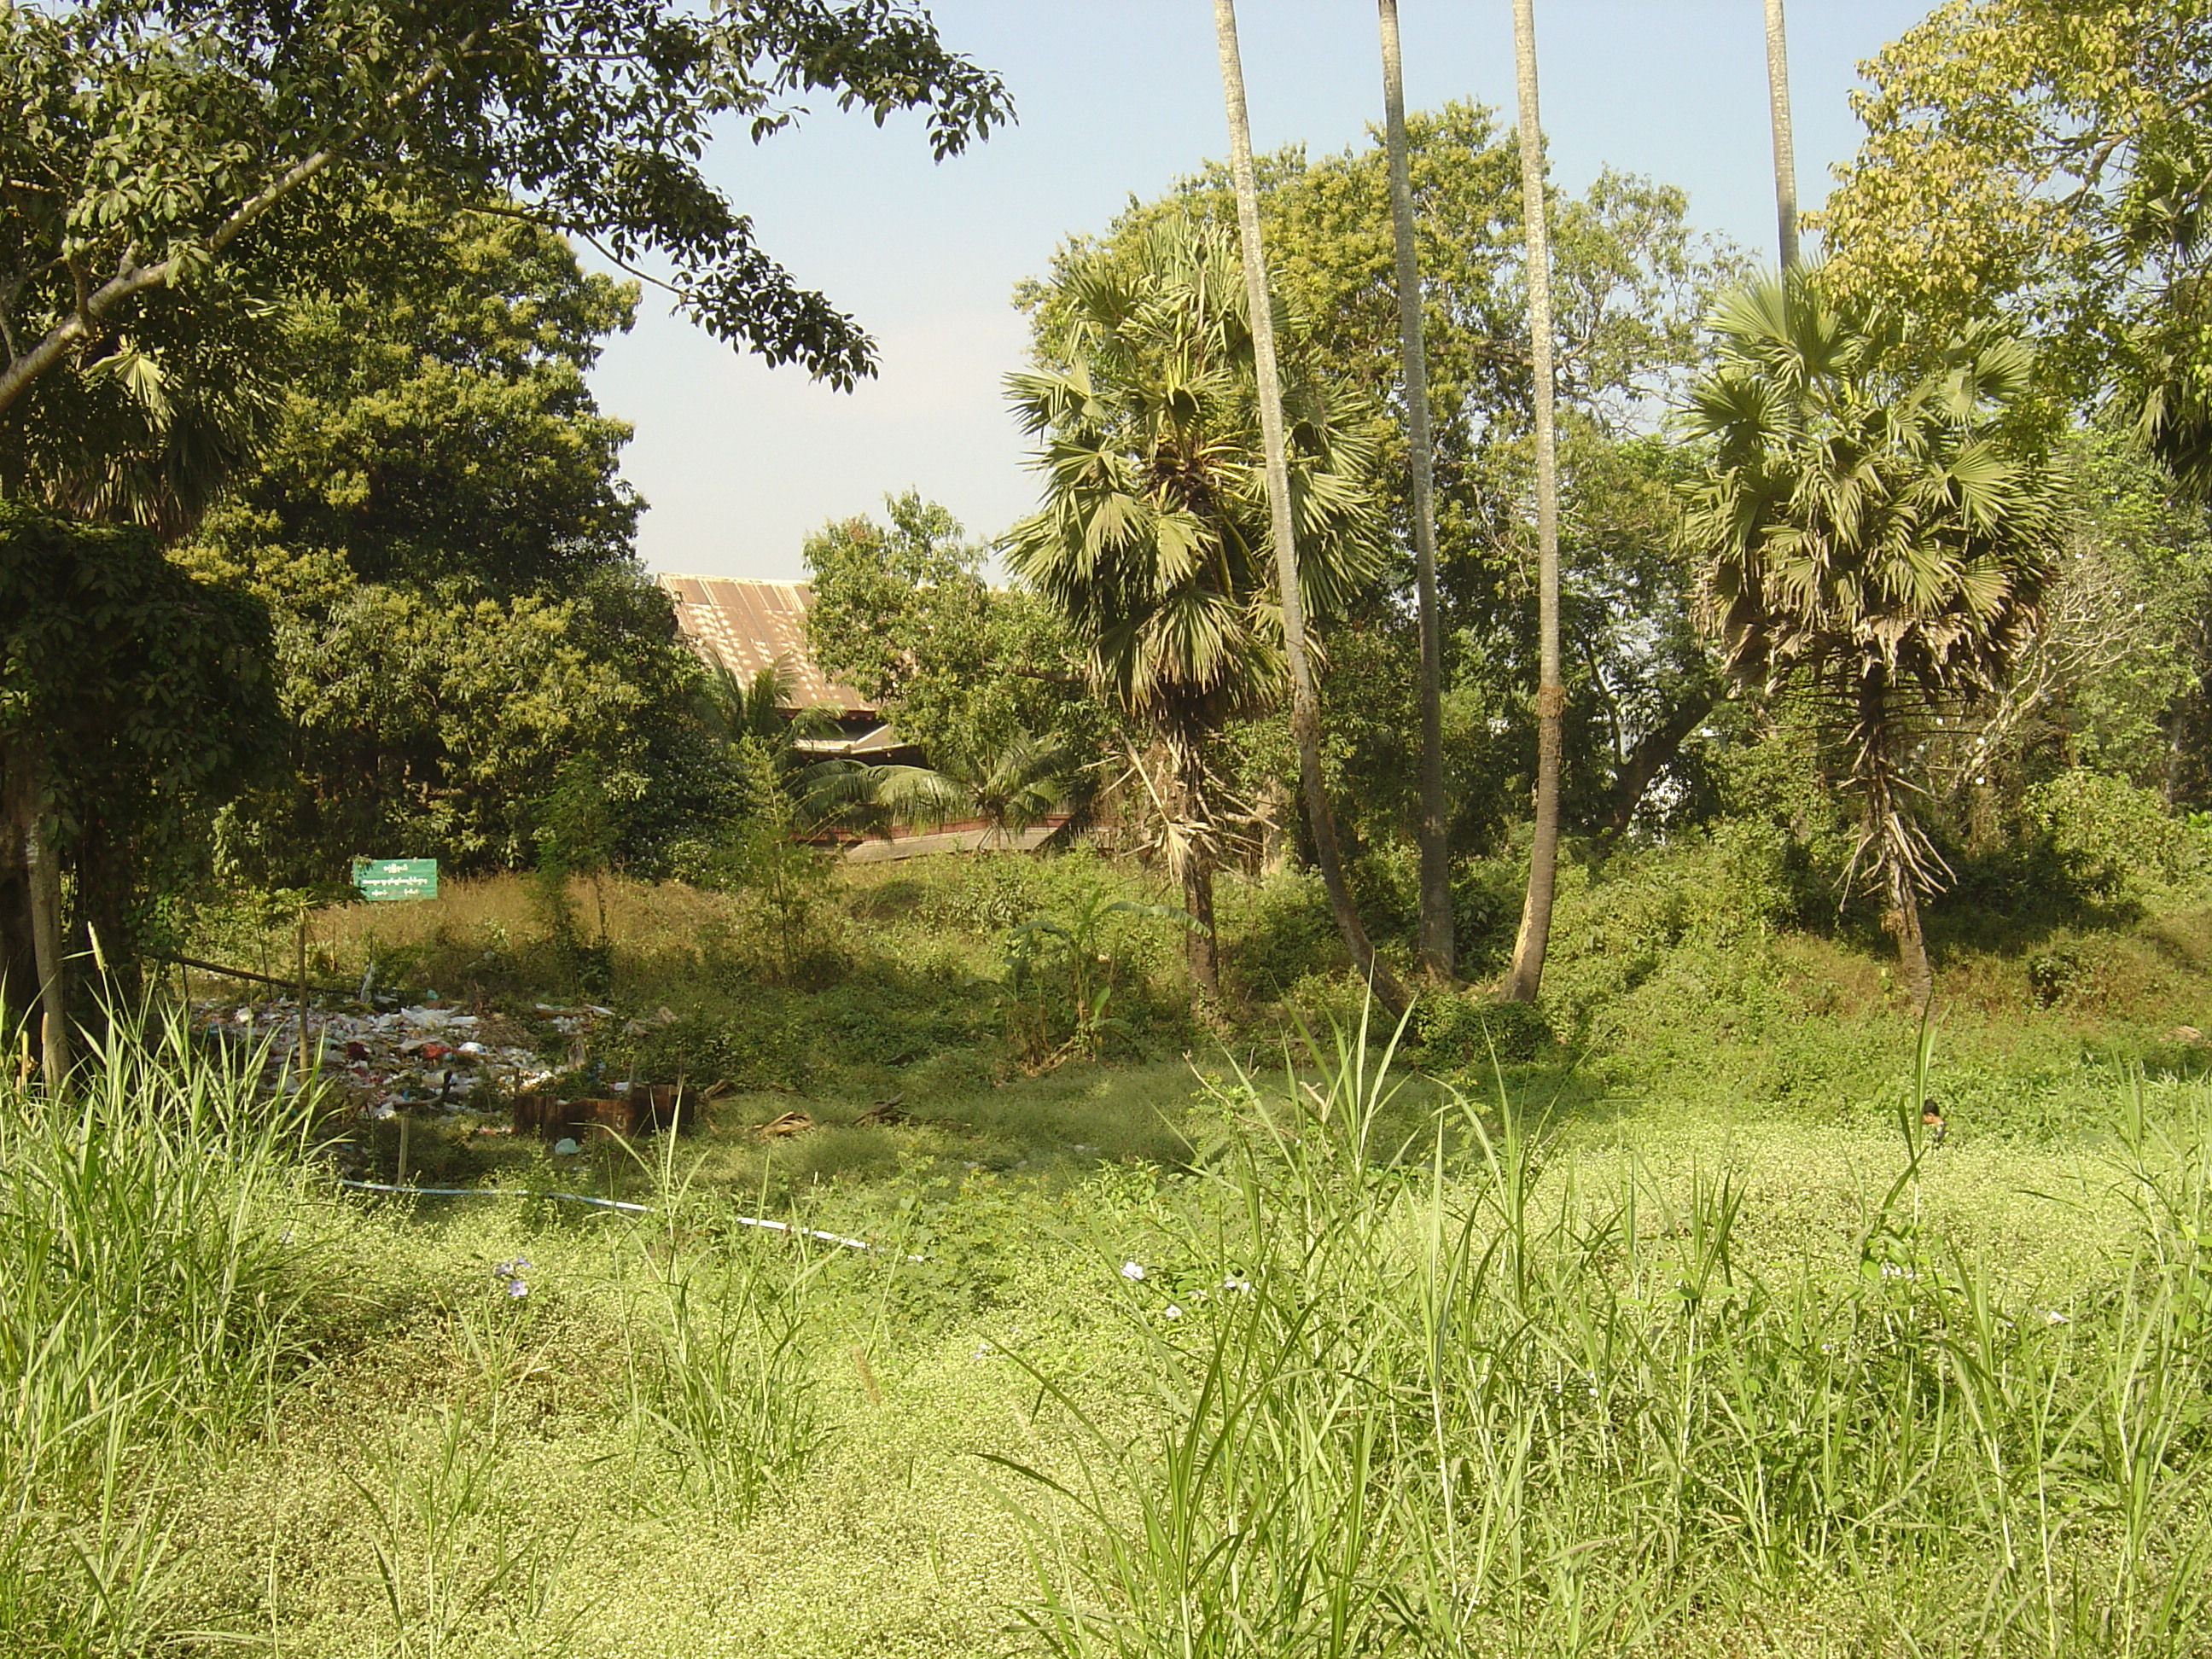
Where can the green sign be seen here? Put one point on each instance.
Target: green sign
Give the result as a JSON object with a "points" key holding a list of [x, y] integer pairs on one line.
{"points": [[396, 878]]}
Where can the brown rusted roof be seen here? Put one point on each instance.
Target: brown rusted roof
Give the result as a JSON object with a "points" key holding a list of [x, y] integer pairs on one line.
{"points": [[750, 625]]}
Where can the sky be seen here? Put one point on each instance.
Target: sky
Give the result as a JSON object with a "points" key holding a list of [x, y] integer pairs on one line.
{"points": [[1117, 99]]}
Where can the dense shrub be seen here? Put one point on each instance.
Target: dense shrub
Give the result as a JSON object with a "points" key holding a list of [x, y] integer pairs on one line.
{"points": [[1460, 1032], [2115, 838]]}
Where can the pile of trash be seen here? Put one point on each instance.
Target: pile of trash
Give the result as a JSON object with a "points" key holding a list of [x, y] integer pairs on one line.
{"points": [[425, 1057]]}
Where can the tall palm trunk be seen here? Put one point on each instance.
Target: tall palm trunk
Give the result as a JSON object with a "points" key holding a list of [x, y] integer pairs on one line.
{"points": [[1528, 971], [1786, 155], [1305, 702], [1198, 857], [30, 828], [1437, 944], [1888, 833]]}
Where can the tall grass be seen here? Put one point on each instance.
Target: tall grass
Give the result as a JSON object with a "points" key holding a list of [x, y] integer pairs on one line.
{"points": [[170, 1269], [1483, 1401], [149, 1292], [718, 1369]]}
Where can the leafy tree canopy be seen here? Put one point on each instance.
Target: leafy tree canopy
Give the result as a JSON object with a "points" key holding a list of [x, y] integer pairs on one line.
{"points": [[436, 426], [441, 529], [1630, 278], [1630, 281], [189, 145], [902, 612], [1878, 520], [2046, 157]]}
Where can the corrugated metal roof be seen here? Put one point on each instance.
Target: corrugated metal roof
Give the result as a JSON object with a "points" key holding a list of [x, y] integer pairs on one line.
{"points": [[750, 626]]}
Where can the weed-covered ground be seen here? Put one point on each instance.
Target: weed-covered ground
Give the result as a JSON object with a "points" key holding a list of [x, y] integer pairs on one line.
{"points": [[1663, 1326]]}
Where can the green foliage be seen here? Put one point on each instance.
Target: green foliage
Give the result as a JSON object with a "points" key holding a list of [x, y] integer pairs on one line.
{"points": [[1629, 280], [2115, 838], [1016, 790], [155, 1299], [727, 1393], [437, 423], [1396, 1356], [1464, 1033], [901, 613], [1394, 1387], [2114, 679], [440, 532], [188, 149], [2041, 157], [1070, 977], [134, 701], [1152, 537], [1282, 931], [1878, 516]]}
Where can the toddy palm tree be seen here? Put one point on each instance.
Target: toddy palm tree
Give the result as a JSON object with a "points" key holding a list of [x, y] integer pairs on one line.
{"points": [[1154, 539], [1436, 948], [1528, 970], [1878, 525]]}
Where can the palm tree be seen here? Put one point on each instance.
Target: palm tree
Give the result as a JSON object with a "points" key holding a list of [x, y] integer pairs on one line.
{"points": [[1880, 526], [1528, 970], [734, 707], [1437, 948], [1786, 155], [755, 717], [1283, 520], [1152, 538], [1013, 789]]}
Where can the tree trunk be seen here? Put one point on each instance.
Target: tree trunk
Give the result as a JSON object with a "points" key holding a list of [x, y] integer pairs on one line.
{"points": [[1437, 952], [1528, 971], [1305, 703], [1201, 944], [1887, 828], [1786, 155], [42, 880], [1911, 944], [1650, 757]]}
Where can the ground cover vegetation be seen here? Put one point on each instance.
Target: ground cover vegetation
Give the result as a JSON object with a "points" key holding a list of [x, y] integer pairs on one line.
{"points": [[1777, 1222]]}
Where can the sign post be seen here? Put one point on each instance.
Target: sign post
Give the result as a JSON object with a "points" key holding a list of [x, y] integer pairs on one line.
{"points": [[382, 879]]}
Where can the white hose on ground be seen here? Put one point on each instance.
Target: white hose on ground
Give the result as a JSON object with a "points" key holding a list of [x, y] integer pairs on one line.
{"points": [[603, 1203]]}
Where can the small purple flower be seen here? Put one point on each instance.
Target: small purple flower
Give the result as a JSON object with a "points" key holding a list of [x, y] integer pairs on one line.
{"points": [[509, 1274]]}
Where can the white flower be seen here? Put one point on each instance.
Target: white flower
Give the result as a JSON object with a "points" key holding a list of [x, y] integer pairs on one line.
{"points": [[1131, 1270], [2057, 1318], [1241, 1286], [1172, 1311]]}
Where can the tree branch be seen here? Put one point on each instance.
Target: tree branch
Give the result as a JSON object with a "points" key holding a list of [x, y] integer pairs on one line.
{"points": [[132, 279]]}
